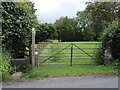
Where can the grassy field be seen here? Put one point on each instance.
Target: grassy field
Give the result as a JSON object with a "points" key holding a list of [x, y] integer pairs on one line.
{"points": [[66, 70], [64, 57]]}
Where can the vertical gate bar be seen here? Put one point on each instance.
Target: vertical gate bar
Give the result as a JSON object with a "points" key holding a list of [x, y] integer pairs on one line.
{"points": [[71, 55]]}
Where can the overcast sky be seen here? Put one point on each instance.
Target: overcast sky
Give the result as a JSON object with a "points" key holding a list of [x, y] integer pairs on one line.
{"points": [[50, 10]]}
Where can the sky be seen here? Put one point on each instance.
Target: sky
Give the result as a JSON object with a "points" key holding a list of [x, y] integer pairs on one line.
{"points": [[50, 10]]}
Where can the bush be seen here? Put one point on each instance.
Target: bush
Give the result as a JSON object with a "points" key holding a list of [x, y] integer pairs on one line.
{"points": [[99, 57], [111, 38], [6, 68]]}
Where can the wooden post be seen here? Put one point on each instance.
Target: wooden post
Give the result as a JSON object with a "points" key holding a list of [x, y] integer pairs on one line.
{"points": [[36, 60], [36, 57], [33, 46]]}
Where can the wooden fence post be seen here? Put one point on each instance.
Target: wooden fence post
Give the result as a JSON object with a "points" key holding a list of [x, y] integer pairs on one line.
{"points": [[33, 46], [36, 57]]}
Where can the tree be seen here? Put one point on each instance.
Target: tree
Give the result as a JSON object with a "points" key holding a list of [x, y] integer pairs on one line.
{"points": [[65, 28], [18, 18], [83, 30], [45, 31], [102, 13]]}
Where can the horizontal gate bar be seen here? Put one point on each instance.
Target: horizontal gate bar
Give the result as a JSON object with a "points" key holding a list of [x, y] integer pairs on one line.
{"points": [[54, 56], [65, 56], [69, 53], [54, 59], [65, 43], [66, 61], [73, 64], [57, 61], [69, 48]]}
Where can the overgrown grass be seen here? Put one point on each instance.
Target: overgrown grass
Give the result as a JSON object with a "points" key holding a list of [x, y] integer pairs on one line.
{"points": [[66, 70], [6, 68]]}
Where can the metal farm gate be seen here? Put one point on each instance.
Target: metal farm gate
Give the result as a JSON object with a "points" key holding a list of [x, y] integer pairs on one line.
{"points": [[66, 53]]}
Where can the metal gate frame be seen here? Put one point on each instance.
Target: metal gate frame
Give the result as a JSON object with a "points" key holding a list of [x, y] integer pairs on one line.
{"points": [[71, 47]]}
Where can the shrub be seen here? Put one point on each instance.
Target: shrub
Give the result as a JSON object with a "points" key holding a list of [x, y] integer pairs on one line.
{"points": [[6, 68], [99, 57], [111, 38]]}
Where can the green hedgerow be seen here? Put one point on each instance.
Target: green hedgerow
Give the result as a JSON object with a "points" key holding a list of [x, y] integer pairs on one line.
{"points": [[111, 38]]}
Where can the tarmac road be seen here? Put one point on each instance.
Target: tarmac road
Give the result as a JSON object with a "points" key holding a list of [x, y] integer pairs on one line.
{"points": [[84, 81]]}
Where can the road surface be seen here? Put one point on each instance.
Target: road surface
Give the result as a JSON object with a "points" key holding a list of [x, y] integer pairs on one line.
{"points": [[84, 81]]}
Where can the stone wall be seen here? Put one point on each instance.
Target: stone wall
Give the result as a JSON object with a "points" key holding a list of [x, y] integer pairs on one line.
{"points": [[19, 62], [107, 55]]}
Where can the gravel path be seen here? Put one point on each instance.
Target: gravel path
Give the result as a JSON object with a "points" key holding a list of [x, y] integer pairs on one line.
{"points": [[85, 81]]}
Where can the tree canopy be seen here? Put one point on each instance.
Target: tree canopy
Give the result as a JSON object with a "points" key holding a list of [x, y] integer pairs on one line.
{"points": [[66, 28], [101, 14], [45, 31]]}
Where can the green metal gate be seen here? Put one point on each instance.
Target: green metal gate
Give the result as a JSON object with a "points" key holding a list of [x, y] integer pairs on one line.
{"points": [[65, 53]]}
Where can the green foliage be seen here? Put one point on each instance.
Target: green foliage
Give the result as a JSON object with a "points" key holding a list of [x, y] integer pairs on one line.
{"points": [[6, 67], [104, 19], [65, 28], [84, 30], [75, 29], [99, 56], [101, 14], [45, 31], [18, 18], [89, 24], [111, 38]]}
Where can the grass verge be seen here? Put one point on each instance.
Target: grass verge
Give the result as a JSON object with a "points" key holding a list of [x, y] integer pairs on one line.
{"points": [[65, 70]]}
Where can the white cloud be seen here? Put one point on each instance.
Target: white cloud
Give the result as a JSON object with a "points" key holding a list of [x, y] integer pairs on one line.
{"points": [[46, 6], [50, 10]]}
